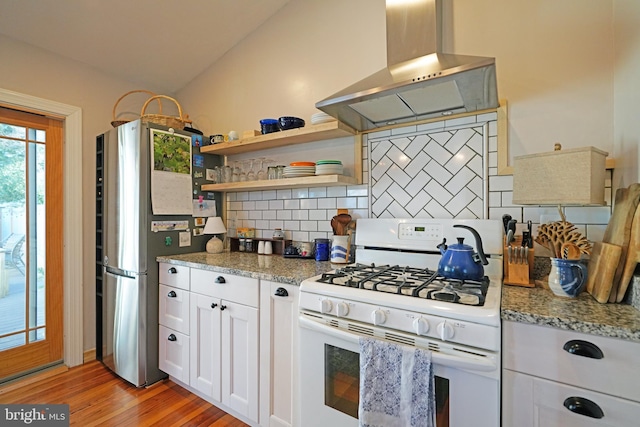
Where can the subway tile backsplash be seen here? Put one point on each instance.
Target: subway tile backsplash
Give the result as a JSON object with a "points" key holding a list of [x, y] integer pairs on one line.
{"points": [[440, 169]]}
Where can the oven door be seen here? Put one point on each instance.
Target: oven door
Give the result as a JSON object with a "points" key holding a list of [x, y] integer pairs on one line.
{"points": [[330, 377]]}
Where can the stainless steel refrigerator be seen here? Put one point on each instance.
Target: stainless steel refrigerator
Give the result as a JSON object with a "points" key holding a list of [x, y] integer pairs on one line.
{"points": [[126, 248]]}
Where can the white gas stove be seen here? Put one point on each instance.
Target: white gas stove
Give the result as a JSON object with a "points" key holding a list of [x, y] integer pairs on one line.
{"points": [[393, 292], [394, 283]]}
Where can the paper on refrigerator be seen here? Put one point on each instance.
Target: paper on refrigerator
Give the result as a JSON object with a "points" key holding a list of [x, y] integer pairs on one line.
{"points": [[170, 173]]}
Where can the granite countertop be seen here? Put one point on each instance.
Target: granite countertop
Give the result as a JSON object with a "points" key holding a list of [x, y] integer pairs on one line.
{"points": [[539, 306], [266, 267]]}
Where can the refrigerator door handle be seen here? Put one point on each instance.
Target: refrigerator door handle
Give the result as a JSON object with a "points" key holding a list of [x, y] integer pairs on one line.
{"points": [[119, 272]]}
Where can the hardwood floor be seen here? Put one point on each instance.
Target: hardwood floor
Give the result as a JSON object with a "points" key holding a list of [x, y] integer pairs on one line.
{"points": [[97, 397]]}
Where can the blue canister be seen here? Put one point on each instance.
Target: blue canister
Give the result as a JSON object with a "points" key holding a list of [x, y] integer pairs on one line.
{"points": [[322, 249]]}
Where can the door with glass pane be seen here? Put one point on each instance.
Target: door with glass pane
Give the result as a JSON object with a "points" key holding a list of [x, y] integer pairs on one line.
{"points": [[31, 246]]}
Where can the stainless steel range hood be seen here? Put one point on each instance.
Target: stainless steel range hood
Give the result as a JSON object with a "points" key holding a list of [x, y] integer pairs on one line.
{"points": [[420, 81]]}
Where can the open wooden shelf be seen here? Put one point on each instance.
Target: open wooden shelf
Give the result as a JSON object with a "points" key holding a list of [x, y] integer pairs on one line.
{"points": [[274, 184], [301, 135]]}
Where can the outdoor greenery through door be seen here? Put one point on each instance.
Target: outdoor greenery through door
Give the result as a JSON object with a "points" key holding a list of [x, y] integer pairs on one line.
{"points": [[31, 247]]}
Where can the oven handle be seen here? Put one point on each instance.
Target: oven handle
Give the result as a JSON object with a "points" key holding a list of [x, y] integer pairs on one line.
{"points": [[441, 359]]}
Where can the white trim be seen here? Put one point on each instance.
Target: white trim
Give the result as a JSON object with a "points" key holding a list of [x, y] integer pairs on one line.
{"points": [[73, 302]]}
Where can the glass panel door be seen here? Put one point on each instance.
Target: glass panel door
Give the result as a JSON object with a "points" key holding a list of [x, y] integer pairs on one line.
{"points": [[30, 293]]}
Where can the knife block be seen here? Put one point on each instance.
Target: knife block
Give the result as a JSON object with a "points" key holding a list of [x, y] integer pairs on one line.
{"points": [[516, 273]]}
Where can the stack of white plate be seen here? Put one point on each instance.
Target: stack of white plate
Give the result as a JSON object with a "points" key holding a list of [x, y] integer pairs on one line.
{"points": [[299, 169], [329, 167], [321, 117]]}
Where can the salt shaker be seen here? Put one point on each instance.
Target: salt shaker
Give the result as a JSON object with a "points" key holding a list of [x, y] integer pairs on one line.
{"points": [[268, 248], [261, 247]]}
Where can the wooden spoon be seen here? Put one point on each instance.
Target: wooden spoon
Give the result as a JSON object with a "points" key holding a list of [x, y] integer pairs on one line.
{"points": [[570, 251], [344, 220]]}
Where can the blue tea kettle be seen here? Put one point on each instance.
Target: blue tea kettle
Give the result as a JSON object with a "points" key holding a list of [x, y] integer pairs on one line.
{"points": [[459, 261]]}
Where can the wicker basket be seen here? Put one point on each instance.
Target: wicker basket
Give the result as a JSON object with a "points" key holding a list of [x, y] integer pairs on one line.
{"points": [[161, 119], [115, 123]]}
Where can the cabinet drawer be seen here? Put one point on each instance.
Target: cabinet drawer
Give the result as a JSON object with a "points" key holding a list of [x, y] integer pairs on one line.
{"points": [[550, 398], [174, 353], [540, 351], [173, 275], [537, 402], [173, 309], [229, 287]]}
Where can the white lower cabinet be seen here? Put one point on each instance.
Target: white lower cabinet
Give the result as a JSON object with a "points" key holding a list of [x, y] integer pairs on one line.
{"points": [[224, 340], [554, 377], [278, 360], [216, 342], [205, 347]]}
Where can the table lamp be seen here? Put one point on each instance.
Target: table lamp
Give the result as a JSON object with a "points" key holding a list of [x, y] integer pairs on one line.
{"points": [[214, 225], [573, 177]]}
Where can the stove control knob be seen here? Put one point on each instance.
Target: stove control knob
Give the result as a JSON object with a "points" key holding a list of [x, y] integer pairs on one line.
{"points": [[421, 326], [326, 306], [342, 309], [445, 331], [378, 317]]}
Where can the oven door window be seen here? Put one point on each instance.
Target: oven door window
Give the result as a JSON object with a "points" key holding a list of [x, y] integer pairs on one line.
{"points": [[341, 379], [342, 384]]}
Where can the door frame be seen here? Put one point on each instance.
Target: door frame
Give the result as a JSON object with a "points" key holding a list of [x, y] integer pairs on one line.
{"points": [[73, 270]]}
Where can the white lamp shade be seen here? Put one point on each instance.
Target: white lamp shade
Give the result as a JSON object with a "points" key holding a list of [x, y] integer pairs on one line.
{"points": [[562, 177], [214, 225]]}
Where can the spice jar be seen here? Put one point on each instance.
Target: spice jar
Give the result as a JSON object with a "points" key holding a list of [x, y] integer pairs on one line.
{"points": [[241, 245], [249, 245]]}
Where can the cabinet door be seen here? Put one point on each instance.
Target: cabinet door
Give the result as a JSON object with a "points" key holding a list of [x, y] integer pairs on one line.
{"points": [[173, 353], [239, 349], [278, 355], [174, 309], [205, 345]]}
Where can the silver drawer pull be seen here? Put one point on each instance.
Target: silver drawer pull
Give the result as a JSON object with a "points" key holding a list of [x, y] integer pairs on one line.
{"points": [[582, 406], [173, 270], [172, 294], [172, 338], [220, 279], [583, 348]]}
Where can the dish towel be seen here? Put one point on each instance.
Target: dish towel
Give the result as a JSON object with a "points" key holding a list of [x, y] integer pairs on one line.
{"points": [[396, 385]]}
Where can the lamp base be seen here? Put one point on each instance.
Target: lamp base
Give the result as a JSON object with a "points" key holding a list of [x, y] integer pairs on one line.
{"points": [[215, 246]]}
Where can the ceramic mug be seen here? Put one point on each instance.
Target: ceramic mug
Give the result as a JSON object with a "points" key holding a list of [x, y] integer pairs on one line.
{"points": [[567, 277], [339, 247]]}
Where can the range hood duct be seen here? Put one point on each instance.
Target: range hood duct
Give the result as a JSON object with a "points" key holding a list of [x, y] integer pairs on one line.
{"points": [[419, 82]]}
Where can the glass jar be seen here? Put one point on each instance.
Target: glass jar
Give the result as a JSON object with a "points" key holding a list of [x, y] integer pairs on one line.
{"points": [[272, 172], [279, 171], [249, 245], [278, 234], [242, 245]]}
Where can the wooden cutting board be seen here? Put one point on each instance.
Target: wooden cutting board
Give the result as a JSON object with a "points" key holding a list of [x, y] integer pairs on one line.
{"points": [[633, 256], [618, 231], [601, 270]]}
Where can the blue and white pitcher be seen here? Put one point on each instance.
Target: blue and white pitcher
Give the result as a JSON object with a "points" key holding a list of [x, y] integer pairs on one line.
{"points": [[567, 277]]}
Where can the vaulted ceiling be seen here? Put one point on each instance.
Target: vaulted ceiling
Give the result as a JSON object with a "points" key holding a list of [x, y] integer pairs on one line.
{"points": [[163, 44]]}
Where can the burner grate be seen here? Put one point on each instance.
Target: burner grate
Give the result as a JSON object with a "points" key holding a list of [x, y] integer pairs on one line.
{"points": [[409, 281]]}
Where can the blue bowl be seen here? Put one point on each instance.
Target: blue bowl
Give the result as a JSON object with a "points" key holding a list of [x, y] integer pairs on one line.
{"points": [[269, 126]]}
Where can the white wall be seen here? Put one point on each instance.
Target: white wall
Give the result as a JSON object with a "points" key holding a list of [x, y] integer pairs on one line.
{"points": [[554, 59], [627, 92]]}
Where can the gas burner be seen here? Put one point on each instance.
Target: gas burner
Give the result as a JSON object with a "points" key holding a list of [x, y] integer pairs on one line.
{"points": [[409, 281]]}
